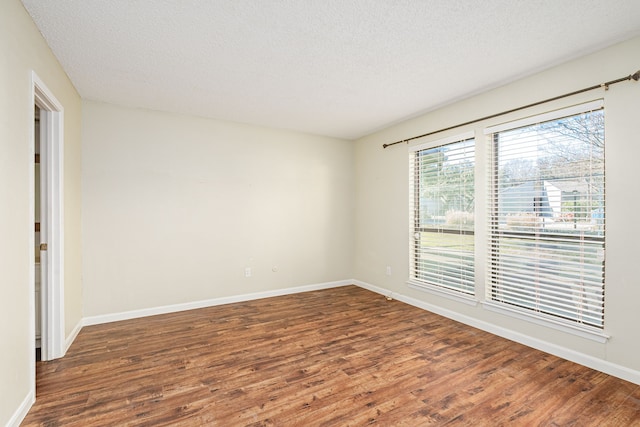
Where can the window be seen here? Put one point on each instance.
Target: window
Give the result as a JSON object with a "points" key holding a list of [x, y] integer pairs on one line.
{"points": [[547, 216], [442, 215]]}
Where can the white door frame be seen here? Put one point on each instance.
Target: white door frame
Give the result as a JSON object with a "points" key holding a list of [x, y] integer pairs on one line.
{"points": [[51, 219]]}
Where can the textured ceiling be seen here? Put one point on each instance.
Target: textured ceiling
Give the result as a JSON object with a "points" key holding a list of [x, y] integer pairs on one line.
{"points": [[342, 68]]}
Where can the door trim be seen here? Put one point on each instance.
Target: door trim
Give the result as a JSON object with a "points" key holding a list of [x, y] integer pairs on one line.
{"points": [[51, 218]]}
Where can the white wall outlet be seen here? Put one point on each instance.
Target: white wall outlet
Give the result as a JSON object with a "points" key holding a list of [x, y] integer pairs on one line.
{"points": [[388, 270], [247, 272]]}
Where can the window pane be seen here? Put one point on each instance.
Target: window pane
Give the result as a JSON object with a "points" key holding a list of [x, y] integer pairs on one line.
{"points": [[547, 218], [446, 259], [442, 206]]}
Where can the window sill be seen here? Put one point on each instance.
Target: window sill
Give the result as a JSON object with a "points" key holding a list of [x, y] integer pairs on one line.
{"points": [[540, 319], [443, 292]]}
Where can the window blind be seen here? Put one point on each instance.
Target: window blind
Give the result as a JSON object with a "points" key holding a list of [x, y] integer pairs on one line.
{"points": [[442, 214], [547, 216]]}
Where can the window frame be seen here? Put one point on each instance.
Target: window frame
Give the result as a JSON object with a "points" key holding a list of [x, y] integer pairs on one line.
{"points": [[415, 226], [492, 217]]}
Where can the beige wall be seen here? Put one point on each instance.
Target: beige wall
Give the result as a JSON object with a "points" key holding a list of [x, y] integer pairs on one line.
{"points": [[176, 207], [382, 227], [23, 49]]}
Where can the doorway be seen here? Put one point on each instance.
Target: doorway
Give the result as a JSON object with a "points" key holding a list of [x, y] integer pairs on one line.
{"points": [[47, 199], [37, 239]]}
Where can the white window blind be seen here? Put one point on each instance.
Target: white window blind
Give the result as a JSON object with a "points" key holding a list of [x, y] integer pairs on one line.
{"points": [[547, 216], [442, 215]]}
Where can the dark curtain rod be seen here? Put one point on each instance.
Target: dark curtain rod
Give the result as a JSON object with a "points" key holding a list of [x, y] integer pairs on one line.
{"points": [[635, 76]]}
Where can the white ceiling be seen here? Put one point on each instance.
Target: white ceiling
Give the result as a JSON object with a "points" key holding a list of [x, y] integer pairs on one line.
{"points": [[342, 68]]}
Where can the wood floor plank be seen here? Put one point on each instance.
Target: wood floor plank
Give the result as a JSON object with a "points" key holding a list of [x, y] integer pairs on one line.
{"points": [[336, 357]]}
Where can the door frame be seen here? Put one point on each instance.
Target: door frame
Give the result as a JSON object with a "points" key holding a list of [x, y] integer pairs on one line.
{"points": [[51, 219]]}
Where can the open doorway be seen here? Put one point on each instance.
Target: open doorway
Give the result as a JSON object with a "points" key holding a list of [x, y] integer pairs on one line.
{"points": [[47, 197], [37, 239]]}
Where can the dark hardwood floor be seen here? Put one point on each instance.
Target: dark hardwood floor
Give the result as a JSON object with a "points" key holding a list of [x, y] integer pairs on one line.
{"points": [[337, 357]]}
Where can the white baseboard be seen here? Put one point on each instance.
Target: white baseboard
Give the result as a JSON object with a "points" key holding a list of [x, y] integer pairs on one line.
{"points": [[72, 336], [563, 352], [106, 318], [22, 410]]}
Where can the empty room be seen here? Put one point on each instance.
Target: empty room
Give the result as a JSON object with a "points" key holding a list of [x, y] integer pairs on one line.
{"points": [[325, 213]]}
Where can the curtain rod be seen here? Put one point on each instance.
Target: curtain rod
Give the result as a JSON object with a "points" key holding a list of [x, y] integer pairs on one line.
{"points": [[635, 76]]}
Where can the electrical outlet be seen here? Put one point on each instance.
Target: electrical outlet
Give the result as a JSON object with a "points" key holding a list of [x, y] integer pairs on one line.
{"points": [[247, 272], [388, 270]]}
